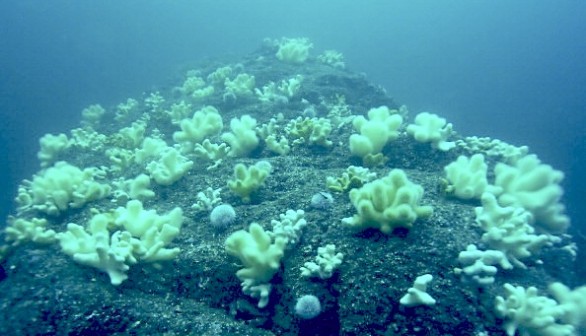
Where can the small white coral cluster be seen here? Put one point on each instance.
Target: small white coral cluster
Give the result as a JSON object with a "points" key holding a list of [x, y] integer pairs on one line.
{"points": [[294, 50], [339, 112], [131, 136], [326, 262], [353, 177], [242, 138], [206, 200], [125, 109], [137, 188], [51, 146], [92, 114], [195, 134], [271, 133], [164, 164], [170, 167], [520, 213], [249, 179], [179, 111], [387, 203], [493, 147], [261, 258], [510, 230], [289, 226], [375, 132], [261, 251], [535, 187], [429, 127], [21, 230], [479, 266], [87, 138], [310, 131], [417, 295], [527, 312], [138, 235], [195, 87], [240, 87], [281, 93], [61, 187], [219, 76], [527, 184], [333, 58], [213, 152], [467, 177], [204, 123], [154, 101]]}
